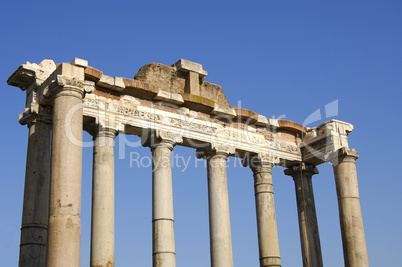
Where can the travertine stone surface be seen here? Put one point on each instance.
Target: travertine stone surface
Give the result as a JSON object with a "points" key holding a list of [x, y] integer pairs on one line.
{"points": [[308, 226], [265, 209], [218, 200], [102, 224], [350, 215], [35, 214]]}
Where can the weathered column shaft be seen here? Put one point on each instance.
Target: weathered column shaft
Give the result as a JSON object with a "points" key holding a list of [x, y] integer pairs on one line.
{"points": [[219, 217], [162, 206], [266, 219], [350, 215], [35, 213], [65, 186], [102, 230], [308, 226]]}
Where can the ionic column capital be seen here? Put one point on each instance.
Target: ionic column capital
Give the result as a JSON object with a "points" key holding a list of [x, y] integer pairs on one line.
{"points": [[34, 114], [298, 170], [260, 162], [66, 85], [343, 155], [155, 138], [105, 132], [104, 128], [215, 149]]}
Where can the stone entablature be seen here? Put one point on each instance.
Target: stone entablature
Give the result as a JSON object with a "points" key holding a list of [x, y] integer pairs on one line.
{"points": [[167, 106], [177, 99]]}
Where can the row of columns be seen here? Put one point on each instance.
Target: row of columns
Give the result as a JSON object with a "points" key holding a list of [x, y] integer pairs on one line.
{"points": [[51, 227]]}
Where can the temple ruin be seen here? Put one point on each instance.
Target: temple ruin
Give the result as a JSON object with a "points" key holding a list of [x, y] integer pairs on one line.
{"points": [[167, 106]]}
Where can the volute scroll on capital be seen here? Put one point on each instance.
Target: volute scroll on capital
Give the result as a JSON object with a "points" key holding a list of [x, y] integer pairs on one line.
{"points": [[153, 138], [69, 84]]}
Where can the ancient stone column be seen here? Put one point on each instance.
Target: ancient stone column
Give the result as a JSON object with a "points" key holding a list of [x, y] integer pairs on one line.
{"points": [[163, 244], [64, 241], [218, 200], [350, 215], [35, 214], [308, 226], [265, 210], [102, 230]]}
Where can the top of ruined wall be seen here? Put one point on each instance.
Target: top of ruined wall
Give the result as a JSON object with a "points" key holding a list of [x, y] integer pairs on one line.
{"points": [[173, 81], [158, 82]]}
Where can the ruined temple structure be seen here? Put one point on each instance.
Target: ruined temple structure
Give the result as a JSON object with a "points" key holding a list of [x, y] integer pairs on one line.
{"points": [[167, 106]]}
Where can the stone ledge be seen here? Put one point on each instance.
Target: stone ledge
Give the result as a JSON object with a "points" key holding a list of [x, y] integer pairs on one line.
{"points": [[223, 111], [79, 62], [113, 83], [292, 126], [31, 74], [92, 74], [195, 100], [173, 98], [22, 78], [273, 123], [261, 121], [186, 65], [141, 87], [245, 114]]}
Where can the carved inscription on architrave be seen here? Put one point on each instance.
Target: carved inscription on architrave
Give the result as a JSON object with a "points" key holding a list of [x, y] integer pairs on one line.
{"points": [[192, 125], [228, 134], [139, 114]]}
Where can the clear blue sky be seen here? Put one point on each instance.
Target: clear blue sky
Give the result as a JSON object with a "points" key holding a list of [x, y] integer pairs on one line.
{"points": [[286, 58]]}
